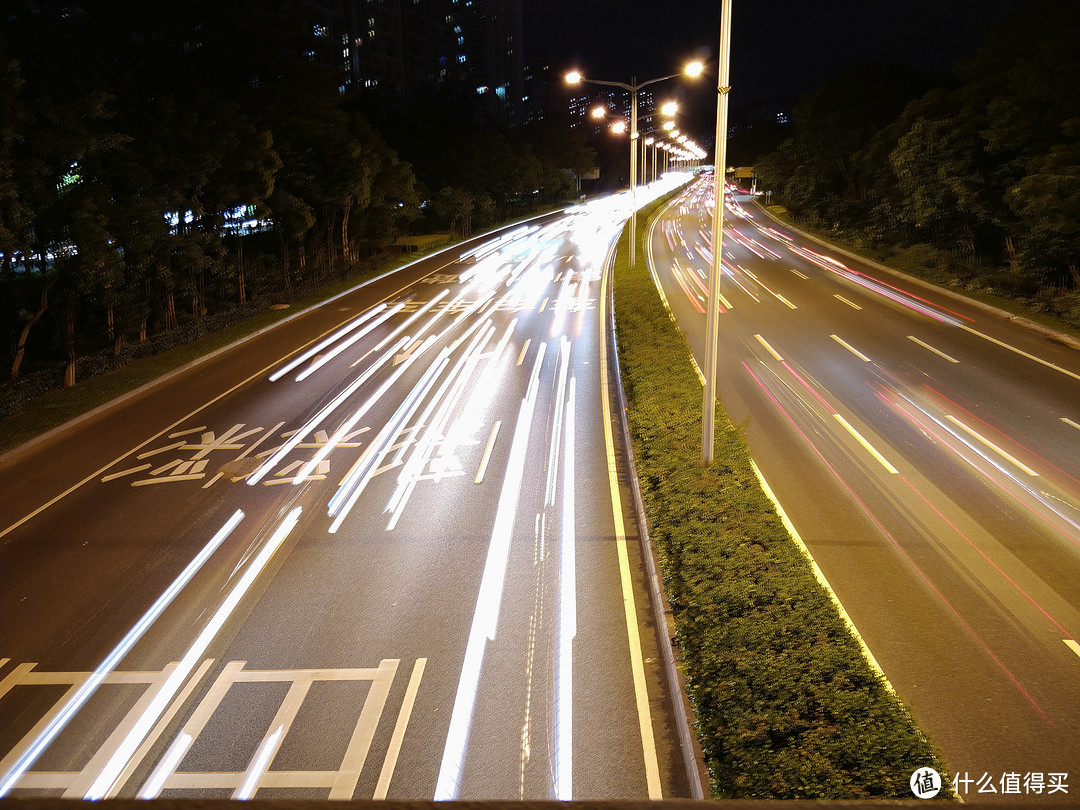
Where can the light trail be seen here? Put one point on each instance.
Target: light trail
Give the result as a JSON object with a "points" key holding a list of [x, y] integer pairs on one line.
{"points": [[90, 685], [489, 597], [107, 782], [297, 361]]}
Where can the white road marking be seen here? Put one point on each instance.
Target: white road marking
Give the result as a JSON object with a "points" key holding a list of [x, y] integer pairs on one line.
{"points": [[974, 434], [851, 349], [769, 348], [870, 448], [392, 753], [79, 696], [1020, 352], [931, 348], [851, 304], [1068, 421], [487, 452], [1072, 645]]}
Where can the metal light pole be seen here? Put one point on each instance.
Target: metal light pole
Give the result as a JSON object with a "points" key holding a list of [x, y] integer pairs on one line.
{"points": [[693, 69], [712, 325]]}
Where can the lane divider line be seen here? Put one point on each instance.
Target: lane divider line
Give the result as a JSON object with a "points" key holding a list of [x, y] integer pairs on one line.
{"points": [[1069, 421], [851, 304], [487, 452], [928, 347], [769, 348], [1073, 645], [850, 348], [974, 434], [869, 447]]}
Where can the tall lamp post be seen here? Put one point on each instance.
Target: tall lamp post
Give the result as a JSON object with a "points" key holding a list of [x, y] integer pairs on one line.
{"points": [[712, 325], [574, 77]]}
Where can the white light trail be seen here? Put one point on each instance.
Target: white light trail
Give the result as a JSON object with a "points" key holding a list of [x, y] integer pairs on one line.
{"points": [[315, 421], [281, 372], [486, 614], [564, 687], [343, 345], [361, 473], [90, 685], [106, 783]]}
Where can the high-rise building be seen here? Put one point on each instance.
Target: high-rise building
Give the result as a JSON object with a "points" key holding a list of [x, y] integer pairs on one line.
{"points": [[399, 50]]}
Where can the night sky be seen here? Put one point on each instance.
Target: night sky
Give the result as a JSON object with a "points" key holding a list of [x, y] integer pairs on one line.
{"points": [[780, 49]]}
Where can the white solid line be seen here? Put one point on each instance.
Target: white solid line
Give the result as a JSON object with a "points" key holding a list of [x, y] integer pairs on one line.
{"points": [[991, 445], [851, 304], [770, 349], [387, 772], [1072, 645], [89, 686], [870, 448], [487, 452], [931, 348], [854, 351]]}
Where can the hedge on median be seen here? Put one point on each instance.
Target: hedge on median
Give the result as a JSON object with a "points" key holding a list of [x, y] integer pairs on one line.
{"points": [[786, 704]]}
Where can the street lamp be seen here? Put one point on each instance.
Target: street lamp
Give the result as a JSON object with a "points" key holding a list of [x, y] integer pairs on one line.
{"points": [[712, 326], [575, 77]]}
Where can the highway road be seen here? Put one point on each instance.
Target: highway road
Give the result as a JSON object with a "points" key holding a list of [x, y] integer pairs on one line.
{"points": [[381, 550], [927, 452]]}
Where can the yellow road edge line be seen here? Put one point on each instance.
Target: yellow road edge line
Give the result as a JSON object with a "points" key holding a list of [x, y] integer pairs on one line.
{"points": [[637, 664], [991, 445], [850, 348], [769, 348], [870, 448], [1020, 352], [821, 578]]}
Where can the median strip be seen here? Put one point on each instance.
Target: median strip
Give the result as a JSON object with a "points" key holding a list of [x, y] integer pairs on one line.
{"points": [[786, 705]]}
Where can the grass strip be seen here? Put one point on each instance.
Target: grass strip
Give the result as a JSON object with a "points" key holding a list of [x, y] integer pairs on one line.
{"points": [[786, 704]]}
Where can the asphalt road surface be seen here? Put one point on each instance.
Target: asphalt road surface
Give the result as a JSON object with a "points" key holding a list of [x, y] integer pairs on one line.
{"points": [[927, 451], [381, 550]]}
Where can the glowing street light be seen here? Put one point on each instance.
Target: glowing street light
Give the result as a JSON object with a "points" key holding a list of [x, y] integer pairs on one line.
{"points": [[575, 77]]}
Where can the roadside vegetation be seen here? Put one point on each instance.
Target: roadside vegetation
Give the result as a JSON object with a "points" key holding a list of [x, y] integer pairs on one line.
{"points": [[786, 705], [972, 183], [168, 170]]}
